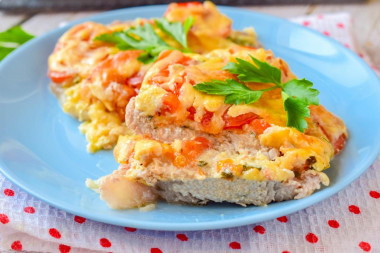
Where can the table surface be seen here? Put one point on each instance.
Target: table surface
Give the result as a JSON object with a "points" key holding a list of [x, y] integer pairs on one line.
{"points": [[366, 21]]}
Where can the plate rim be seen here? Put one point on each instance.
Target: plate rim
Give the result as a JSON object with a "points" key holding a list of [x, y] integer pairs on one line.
{"points": [[271, 214]]}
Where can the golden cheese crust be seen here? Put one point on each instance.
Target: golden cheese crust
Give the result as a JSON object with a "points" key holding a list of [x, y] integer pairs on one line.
{"points": [[167, 95]]}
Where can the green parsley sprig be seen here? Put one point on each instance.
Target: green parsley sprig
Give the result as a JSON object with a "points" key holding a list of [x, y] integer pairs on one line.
{"points": [[11, 39], [296, 94], [143, 37]]}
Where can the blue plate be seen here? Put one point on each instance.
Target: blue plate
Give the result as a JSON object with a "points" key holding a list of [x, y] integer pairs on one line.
{"points": [[43, 152]]}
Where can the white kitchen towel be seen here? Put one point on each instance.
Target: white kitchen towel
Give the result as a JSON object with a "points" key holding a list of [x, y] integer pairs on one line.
{"points": [[347, 222]]}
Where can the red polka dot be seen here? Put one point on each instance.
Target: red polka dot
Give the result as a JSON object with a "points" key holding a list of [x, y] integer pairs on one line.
{"points": [[259, 229], [312, 238], [155, 250], [130, 229], [182, 237], [333, 223], [360, 55], [326, 33], [16, 245], [54, 233], [346, 45], [4, 218], [9, 192], [365, 246], [79, 219], [374, 194], [235, 245], [306, 23], [320, 16], [29, 209], [340, 25], [64, 248], [286, 251], [105, 243], [354, 209], [283, 219]]}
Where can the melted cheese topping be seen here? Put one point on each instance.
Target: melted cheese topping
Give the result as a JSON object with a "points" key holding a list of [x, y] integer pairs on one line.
{"points": [[204, 69], [102, 129], [100, 126], [210, 28], [149, 100]]}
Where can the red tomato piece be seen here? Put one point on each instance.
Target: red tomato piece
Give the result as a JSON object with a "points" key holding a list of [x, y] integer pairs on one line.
{"points": [[189, 4], [202, 141], [182, 5], [59, 76], [239, 121], [170, 103], [181, 60], [339, 143], [192, 112], [164, 54], [192, 149], [206, 119], [259, 125], [177, 88]]}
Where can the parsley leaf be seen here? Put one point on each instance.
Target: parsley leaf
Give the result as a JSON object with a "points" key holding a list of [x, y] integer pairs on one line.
{"points": [[235, 92], [147, 37], [16, 35], [11, 39], [297, 110], [297, 95], [141, 37], [175, 29], [144, 37], [114, 38], [147, 58], [4, 51], [302, 90], [261, 73]]}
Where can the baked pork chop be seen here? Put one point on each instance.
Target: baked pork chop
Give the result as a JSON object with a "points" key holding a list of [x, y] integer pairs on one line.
{"points": [[191, 147]]}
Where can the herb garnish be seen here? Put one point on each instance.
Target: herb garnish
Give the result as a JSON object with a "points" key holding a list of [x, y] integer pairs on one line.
{"points": [[11, 39], [143, 37], [297, 94], [175, 29]]}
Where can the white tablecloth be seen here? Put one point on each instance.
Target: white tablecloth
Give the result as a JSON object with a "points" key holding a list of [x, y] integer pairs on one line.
{"points": [[347, 222]]}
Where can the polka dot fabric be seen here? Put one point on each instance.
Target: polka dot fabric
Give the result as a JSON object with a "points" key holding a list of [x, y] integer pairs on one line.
{"points": [[347, 222]]}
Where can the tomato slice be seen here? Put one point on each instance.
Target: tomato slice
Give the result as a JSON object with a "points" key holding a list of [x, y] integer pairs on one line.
{"points": [[259, 125], [164, 54], [182, 5], [182, 59], [192, 112], [109, 70], [206, 119], [59, 76], [189, 4], [193, 148], [202, 141], [339, 143], [170, 103], [239, 121]]}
